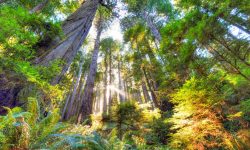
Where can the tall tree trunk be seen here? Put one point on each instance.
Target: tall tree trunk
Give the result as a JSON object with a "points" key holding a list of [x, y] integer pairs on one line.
{"points": [[87, 98], [105, 85], [154, 98], [138, 95], [110, 77], [75, 28], [73, 95], [67, 101], [157, 68], [98, 98], [145, 91], [155, 32], [121, 96], [129, 86], [125, 90], [76, 106]]}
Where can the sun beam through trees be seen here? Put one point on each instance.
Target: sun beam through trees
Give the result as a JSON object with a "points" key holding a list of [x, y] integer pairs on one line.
{"points": [[125, 74]]}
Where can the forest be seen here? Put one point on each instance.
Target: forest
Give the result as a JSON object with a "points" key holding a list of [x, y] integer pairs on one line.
{"points": [[124, 74]]}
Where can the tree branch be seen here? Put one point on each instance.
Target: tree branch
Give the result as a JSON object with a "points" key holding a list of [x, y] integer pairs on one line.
{"points": [[39, 7]]}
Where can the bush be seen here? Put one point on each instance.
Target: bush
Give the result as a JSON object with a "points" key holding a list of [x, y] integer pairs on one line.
{"points": [[127, 116], [196, 125]]}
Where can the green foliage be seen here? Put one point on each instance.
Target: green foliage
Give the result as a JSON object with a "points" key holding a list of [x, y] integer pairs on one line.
{"points": [[127, 113], [245, 108], [35, 75], [20, 36], [195, 123], [199, 91], [9, 125], [21, 31], [161, 6], [160, 131], [16, 39], [47, 73], [17, 133], [201, 66]]}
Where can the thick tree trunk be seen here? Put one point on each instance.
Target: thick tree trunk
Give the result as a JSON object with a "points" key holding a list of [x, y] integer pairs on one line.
{"points": [[75, 28], [9, 91], [87, 98]]}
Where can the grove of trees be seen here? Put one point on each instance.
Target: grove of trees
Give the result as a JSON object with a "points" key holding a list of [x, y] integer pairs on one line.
{"points": [[178, 79]]}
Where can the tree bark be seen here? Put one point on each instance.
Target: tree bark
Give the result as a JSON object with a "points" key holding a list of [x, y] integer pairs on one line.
{"points": [[77, 105], [73, 95], [67, 101], [155, 32], [145, 92], [98, 98], [39, 7], [105, 85], [121, 97], [138, 96], [87, 98], [125, 90], [154, 98], [110, 77], [75, 28]]}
